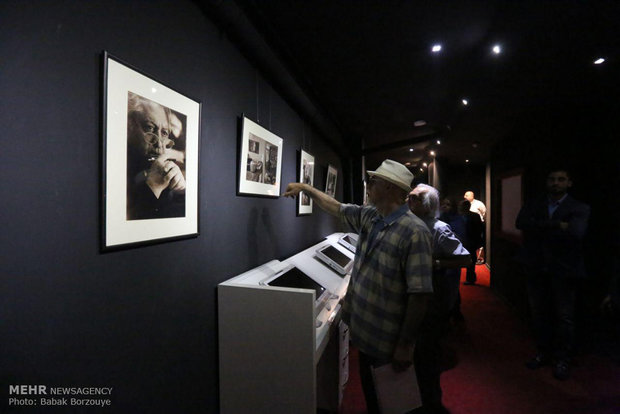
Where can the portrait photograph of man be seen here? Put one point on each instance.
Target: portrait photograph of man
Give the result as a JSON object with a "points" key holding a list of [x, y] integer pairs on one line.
{"points": [[155, 160], [151, 136]]}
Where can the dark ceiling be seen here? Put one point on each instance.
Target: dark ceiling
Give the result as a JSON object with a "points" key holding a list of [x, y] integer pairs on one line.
{"points": [[368, 65]]}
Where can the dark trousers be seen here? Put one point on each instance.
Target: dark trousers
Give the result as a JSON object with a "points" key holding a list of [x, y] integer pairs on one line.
{"points": [[470, 276], [552, 306], [455, 312], [366, 362], [427, 360]]}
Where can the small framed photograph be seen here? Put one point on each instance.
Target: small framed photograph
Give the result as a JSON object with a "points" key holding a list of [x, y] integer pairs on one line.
{"points": [[332, 179], [150, 159], [306, 175], [260, 161]]}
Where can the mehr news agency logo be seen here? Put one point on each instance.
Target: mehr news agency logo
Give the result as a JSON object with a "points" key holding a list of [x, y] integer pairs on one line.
{"points": [[42, 395]]}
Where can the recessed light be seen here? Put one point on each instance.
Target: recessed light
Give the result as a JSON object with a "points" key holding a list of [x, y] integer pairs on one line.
{"points": [[436, 48], [425, 164], [410, 149], [419, 123], [466, 160], [599, 61], [465, 102], [432, 153], [421, 169], [438, 142], [497, 49]]}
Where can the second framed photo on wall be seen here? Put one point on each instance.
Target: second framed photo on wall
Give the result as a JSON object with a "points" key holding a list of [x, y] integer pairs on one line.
{"points": [[332, 179], [260, 161], [306, 175]]}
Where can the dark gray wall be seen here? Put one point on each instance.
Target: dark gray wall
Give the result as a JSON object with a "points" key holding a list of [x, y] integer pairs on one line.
{"points": [[143, 320], [455, 180]]}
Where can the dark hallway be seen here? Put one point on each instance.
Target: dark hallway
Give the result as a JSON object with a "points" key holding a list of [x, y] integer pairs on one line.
{"points": [[478, 96], [485, 372]]}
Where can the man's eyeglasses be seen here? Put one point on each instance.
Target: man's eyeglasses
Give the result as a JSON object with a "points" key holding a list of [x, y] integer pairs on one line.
{"points": [[414, 197], [153, 134]]}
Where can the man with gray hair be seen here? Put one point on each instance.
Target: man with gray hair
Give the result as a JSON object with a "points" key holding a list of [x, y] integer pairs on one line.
{"points": [[449, 256], [155, 178], [391, 280]]}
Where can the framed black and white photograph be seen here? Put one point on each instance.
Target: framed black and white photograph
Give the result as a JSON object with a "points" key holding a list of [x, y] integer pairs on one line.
{"points": [[332, 179], [150, 159], [306, 175], [260, 161]]}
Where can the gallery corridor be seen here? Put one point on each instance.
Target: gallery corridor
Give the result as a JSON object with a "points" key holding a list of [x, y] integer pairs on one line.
{"points": [[484, 370]]}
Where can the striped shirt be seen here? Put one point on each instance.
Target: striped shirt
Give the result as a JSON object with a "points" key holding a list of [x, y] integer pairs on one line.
{"points": [[397, 262]]}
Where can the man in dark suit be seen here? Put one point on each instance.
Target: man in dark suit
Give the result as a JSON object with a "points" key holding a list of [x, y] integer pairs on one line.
{"points": [[553, 229]]}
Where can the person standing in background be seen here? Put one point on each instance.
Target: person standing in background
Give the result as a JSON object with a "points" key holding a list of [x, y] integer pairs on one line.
{"points": [[478, 207], [474, 231], [449, 214], [449, 256], [553, 226]]}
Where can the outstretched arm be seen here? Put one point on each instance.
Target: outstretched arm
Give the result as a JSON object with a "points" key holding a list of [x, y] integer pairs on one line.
{"points": [[325, 202]]}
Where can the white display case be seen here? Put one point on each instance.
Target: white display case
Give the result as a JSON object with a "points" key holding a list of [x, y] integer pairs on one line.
{"points": [[281, 350]]}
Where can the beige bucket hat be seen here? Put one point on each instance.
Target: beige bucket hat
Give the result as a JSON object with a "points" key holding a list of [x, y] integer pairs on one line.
{"points": [[394, 172]]}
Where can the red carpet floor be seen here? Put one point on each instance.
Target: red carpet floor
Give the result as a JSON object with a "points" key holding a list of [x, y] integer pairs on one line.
{"points": [[485, 372]]}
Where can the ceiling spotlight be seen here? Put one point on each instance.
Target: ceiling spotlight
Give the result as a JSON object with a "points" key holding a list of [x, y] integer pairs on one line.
{"points": [[465, 102], [407, 163], [599, 61], [466, 160], [421, 169], [497, 49], [436, 48], [410, 149], [432, 153], [419, 123], [438, 142], [425, 164]]}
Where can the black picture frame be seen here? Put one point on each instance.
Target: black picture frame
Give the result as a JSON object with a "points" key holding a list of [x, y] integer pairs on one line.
{"points": [[331, 181], [150, 159], [259, 171], [305, 175]]}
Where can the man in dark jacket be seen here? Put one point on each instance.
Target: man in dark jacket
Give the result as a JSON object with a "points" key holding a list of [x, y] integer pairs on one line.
{"points": [[553, 228], [472, 238]]}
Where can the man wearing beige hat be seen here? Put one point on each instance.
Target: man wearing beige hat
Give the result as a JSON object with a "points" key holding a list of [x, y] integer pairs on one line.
{"points": [[391, 280]]}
